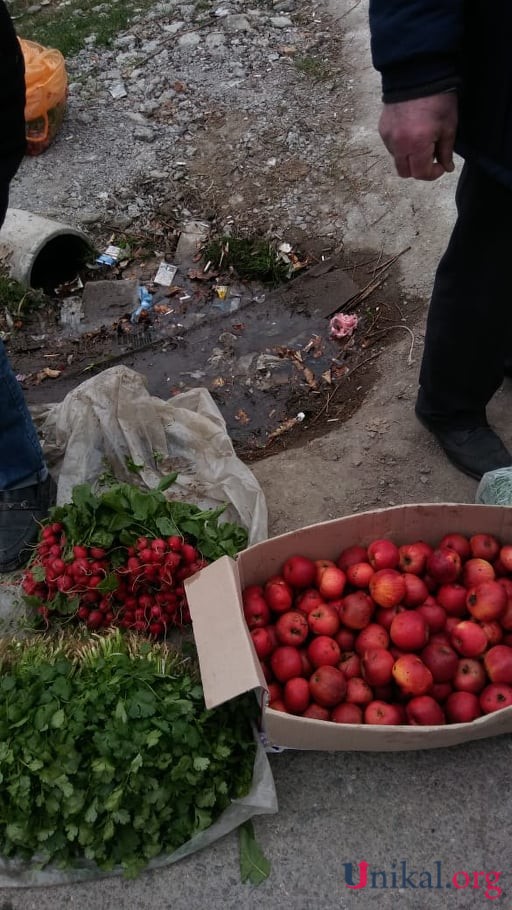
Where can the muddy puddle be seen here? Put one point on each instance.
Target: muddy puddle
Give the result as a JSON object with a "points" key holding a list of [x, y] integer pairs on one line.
{"points": [[267, 357]]}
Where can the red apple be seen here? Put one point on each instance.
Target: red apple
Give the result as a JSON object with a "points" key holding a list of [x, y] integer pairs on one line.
{"points": [[296, 695], [377, 666], [434, 616], [309, 600], [278, 705], [307, 666], [385, 616], [267, 671], [382, 714], [262, 642], [451, 623], [411, 675], [431, 583], [476, 571], [324, 620], [383, 554], [387, 587], [484, 546], [424, 711], [256, 610], [506, 616], [493, 631], [356, 610], [347, 714], [416, 591], [495, 697], [413, 557], [498, 664], [470, 676], [358, 691], [440, 638], [444, 565], [441, 691], [359, 574], [409, 631], [499, 568], [331, 582], [457, 542], [487, 601], [350, 556], [316, 712], [299, 572], [442, 662], [345, 639], [327, 686], [323, 651], [292, 628], [373, 636], [452, 598], [275, 691], [251, 592], [286, 663], [506, 556], [350, 664], [468, 639], [462, 707], [278, 594]]}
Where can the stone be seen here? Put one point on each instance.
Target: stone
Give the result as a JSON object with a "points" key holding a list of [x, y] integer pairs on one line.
{"points": [[193, 235], [173, 27], [281, 21], [105, 301], [237, 22], [192, 39], [143, 134], [215, 40]]}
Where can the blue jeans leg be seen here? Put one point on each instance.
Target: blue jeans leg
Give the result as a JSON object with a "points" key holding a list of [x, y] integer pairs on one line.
{"points": [[21, 456]]}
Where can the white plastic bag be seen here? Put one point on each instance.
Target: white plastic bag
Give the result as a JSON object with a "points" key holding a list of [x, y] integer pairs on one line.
{"points": [[495, 488], [112, 420]]}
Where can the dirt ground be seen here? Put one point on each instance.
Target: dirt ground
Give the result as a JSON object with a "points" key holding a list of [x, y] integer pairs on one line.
{"points": [[251, 120]]}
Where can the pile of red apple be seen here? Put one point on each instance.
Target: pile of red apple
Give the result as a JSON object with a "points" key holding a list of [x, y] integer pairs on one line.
{"points": [[389, 634]]}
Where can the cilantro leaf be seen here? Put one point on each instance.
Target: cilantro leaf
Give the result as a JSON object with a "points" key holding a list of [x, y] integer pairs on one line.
{"points": [[254, 866]]}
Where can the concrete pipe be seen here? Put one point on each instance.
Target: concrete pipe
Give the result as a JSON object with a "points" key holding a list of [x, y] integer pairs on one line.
{"points": [[41, 253]]}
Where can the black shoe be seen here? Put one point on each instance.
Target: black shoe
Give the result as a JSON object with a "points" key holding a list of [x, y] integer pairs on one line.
{"points": [[21, 512], [474, 450]]}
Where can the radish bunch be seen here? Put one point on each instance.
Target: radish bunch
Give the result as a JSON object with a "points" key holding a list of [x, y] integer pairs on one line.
{"points": [[137, 587]]}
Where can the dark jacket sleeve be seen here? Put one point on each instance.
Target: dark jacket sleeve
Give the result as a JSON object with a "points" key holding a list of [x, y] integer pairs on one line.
{"points": [[12, 97], [416, 46]]}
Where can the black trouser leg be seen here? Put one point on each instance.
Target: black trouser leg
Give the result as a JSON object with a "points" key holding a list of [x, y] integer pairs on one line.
{"points": [[469, 326]]}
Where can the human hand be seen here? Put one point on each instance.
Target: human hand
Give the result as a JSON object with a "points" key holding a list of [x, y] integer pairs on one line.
{"points": [[420, 135]]}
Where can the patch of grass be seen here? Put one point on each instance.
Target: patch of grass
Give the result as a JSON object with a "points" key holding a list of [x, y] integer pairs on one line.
{"points": [[18, 299], [313, 67], [253, 258], [66, 26]]}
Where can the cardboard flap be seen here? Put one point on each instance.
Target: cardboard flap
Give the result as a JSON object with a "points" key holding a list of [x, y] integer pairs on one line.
{"points": [[228, 662]]}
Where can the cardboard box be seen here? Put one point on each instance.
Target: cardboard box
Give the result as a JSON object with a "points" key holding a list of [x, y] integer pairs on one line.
{"points": [[229, 665]]}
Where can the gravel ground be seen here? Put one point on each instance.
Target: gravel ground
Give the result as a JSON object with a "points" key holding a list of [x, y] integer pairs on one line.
{"points": [[230, 113]]}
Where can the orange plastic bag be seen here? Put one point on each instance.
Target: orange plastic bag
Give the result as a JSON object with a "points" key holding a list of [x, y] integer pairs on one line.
{"points": [[46, 84]]}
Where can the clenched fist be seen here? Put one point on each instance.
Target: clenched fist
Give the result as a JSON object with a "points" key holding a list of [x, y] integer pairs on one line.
{"points": [[420, 135]]}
